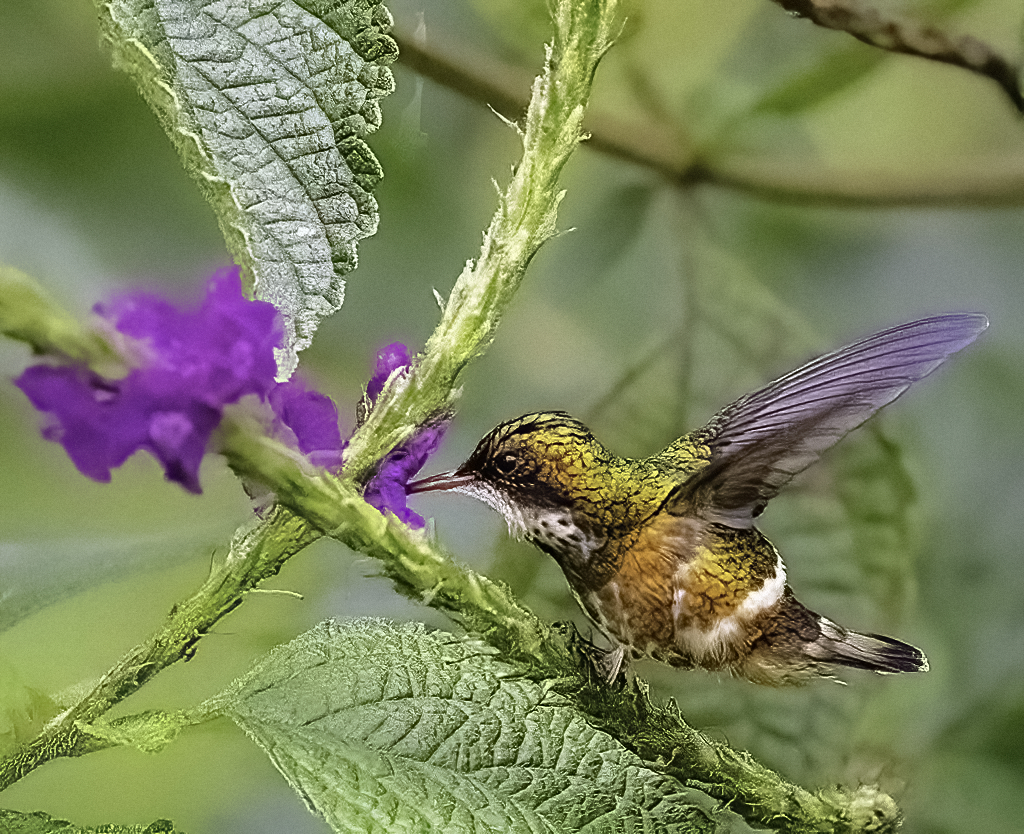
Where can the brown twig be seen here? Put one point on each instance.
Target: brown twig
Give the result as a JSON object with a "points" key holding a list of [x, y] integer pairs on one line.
{"points": [[911, 37]]}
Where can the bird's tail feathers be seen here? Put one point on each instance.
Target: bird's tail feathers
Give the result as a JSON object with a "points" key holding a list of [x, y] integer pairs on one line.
{"points": [[865, 651]]}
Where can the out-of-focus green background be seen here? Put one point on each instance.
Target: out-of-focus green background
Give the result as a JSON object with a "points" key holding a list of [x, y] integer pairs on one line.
{"points": [[661, 306]]}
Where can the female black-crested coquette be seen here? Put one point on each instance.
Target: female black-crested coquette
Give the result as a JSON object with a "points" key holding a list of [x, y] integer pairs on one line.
{"points": [[662, 552]]}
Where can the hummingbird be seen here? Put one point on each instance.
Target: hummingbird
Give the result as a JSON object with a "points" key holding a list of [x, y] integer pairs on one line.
{"points": [[662, 552]]}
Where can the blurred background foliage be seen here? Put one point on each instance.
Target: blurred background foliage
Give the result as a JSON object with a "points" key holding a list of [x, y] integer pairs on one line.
{"points": [[663, 304]]}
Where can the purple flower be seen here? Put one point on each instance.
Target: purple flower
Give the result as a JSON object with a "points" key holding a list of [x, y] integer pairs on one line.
{"points": [[195, 363], [221, 351], [389, 360], [387, 489], [313, 420]]}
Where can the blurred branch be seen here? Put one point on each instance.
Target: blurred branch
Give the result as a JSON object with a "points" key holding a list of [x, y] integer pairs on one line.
{"points": [[993, 182], [506, 89], [910, 37], [663, 150]]}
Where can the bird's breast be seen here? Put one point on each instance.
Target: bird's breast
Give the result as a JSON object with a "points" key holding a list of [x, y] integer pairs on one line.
{"points": [[689, 592]]}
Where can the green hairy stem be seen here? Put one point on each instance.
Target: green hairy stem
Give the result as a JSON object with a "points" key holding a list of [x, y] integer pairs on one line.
{"points": [[311, 506]]}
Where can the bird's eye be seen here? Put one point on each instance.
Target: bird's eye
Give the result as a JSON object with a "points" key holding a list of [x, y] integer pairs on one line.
{"points": [[506, 464]]}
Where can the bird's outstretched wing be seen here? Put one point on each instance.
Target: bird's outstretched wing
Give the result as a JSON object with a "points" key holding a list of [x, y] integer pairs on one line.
{"points": [[765, 438]]}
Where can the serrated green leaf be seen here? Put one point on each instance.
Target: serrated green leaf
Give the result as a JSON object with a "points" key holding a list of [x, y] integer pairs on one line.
{"points": [[842, 527], [877, 494], [267, 104], [17, 822], [857, 509], [388, 728]]}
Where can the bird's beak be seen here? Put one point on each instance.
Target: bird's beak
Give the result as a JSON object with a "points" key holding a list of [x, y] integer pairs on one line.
{"points": [[439, 483]]}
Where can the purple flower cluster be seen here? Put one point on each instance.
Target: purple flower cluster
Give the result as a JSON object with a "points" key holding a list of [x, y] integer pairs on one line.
{"points": [[194, 363]]}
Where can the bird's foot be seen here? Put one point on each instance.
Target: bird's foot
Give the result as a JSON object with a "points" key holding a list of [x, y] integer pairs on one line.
{"points": [[605, 665], [614, 663]]}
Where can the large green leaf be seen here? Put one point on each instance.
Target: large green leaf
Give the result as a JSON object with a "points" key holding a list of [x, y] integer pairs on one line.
{"points": [[389, 728], [266, 102]]}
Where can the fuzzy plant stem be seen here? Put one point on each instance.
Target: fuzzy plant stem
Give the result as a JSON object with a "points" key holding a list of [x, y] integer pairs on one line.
{"points": [[524, 220]]}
